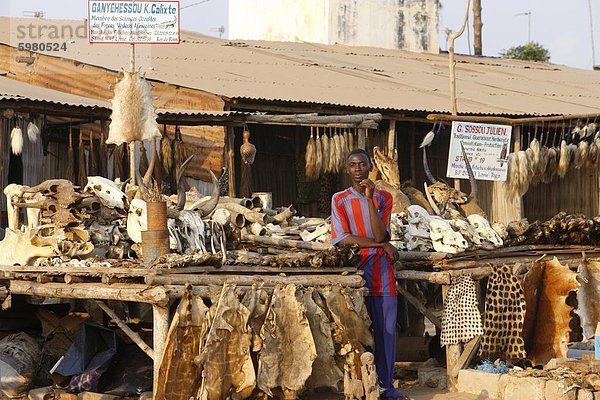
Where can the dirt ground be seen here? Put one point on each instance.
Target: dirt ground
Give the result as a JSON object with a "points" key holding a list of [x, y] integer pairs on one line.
{"points": [[423, 393]]}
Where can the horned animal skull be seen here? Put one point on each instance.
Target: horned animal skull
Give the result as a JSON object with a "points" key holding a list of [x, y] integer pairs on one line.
{"points": [[137, 219], [444, 238], [482, 226], [467, 230]]}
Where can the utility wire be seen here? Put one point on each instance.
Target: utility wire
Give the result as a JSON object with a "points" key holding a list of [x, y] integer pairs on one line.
{"points": [[194, 4]]}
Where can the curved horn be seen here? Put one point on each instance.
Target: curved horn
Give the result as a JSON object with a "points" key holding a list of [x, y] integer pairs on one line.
{"points": [[469, 172], [148, 174], [210, 205], [180, 188], [434, 206], [428, 173]]}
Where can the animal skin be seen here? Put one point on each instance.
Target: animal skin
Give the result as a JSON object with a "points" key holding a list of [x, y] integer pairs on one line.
{"points": [[325, 371], [179, 374], [310, 159], [227, 369], [318, 155], [588, 297], [546, 328], [289, 350]]}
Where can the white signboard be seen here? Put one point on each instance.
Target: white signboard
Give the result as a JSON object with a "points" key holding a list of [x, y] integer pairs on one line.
{"points": [[125, 21], [487, 147]]}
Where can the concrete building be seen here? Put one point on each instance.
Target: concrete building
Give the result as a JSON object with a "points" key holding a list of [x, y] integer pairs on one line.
{"points": [[394, 24]]}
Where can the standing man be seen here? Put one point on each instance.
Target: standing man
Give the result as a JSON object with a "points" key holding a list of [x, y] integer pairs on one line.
{"points": [[360, 215]]}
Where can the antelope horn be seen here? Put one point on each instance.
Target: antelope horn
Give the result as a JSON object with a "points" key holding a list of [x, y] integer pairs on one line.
{"points": [[428, 173], [434, 206], [148, 174], [469, 172], [214, 197], [180, 187]]}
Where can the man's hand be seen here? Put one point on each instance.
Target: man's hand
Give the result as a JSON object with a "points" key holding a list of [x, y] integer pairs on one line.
{"points": [[391, 251], [369, 187]]}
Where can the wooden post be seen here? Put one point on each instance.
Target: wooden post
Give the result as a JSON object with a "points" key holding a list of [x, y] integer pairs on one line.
{"points": [[362, 138], [391, 144], [230, 160], [159, 331], [477, 28], [453, 353], [517, 147]]}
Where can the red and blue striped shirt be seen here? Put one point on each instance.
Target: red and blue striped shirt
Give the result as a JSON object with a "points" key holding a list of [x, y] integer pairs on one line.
{"points": [[350, 216]]}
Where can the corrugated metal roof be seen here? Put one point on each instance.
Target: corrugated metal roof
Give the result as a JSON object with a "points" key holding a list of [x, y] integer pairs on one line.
{"points": [[346, 76], [11, 89]]}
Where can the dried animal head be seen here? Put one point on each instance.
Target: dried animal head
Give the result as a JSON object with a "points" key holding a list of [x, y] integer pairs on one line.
{"points": [[388, 166], [107, 191], [482, 226], [444, 238]]}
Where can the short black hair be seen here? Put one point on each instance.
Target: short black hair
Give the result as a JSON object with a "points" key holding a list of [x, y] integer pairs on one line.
{"points": [[363, 152]]}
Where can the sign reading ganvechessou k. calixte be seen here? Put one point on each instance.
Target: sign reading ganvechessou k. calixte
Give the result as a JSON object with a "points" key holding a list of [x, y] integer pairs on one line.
{"points": [[126, 21], [487, 147]]}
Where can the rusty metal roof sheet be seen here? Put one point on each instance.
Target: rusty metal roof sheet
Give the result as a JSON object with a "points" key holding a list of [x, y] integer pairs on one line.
{"points": [[341, 75]]}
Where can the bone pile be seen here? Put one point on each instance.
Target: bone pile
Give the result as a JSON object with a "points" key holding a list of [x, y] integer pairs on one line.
{"points": [[543, 161], [327, 153], [563, 229], [420, 231], [256, 341]]}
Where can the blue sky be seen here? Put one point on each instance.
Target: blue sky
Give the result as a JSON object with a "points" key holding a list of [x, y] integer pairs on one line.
{"points": [[562, 27]]}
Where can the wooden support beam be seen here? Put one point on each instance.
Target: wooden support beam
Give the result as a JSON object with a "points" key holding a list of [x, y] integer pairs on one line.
{"points": [[353, 281], [467, 355], [125, 292], [346, 121], [418, 305], [362, 139], [453, 352], [440, 278], [126, 329], [160, 329]]}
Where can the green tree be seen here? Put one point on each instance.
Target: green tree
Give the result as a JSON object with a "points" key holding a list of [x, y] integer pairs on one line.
{"points": [[531, 51]]}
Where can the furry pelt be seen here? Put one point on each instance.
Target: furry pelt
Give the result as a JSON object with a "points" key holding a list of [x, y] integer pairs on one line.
{"points": [[592, 157], [564, 159], [326, 152], [309, 158], [582, 154], [133, 116], [16, 140], [551, 164], [33, 132], [318, 155]]}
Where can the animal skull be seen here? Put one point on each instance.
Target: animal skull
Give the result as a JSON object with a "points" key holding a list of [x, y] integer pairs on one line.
{"points": [[107, 191], [137, 219], [482, 226], [445, 239], [467, 230]]}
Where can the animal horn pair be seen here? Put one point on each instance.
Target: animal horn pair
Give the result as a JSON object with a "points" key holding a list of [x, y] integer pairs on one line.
{"points": [[472, 180]]}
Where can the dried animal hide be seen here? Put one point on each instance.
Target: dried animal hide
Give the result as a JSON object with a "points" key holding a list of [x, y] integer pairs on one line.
{"points": [[16, 140], [588, 297], [546, 328], [288, 350], [166, 155], [533, 157], [326, 152], [542, 164], [523, 169], [388, 166], [416, 197], [551, 165], [318, 155], [334, 145], [345, 151], [133, 116], [504, 315], [350, 324], [592, 154], [33, 132], [325, 371], [461, 320], [309, 157], [257, 301], [350, 141], [581, 154], [179, 375], [227, 369]]}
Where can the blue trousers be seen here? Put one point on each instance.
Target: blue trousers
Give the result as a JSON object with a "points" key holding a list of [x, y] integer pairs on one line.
{"points": [[383, 311]]}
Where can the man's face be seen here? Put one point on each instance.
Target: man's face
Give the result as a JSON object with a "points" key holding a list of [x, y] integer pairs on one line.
{"points": [[358, 167]]}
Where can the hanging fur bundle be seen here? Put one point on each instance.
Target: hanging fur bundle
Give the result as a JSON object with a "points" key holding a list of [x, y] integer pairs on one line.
{"points": [[318, 155], [16, 140], [338, 153], [524, 175], [592, 157], [551, 163], [511, 178], [350, 141], [143, 164], [541, 168], [33, 132], [573, 154], [325, 151], [345, 151], [334, 158], [166, 154], [133, 116], [581, 154], [309, 158], [564, 159], [533, 159]]}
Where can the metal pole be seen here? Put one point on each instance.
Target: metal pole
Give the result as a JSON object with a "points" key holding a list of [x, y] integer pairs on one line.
{"points": [[132, 58], [529, 28]]}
